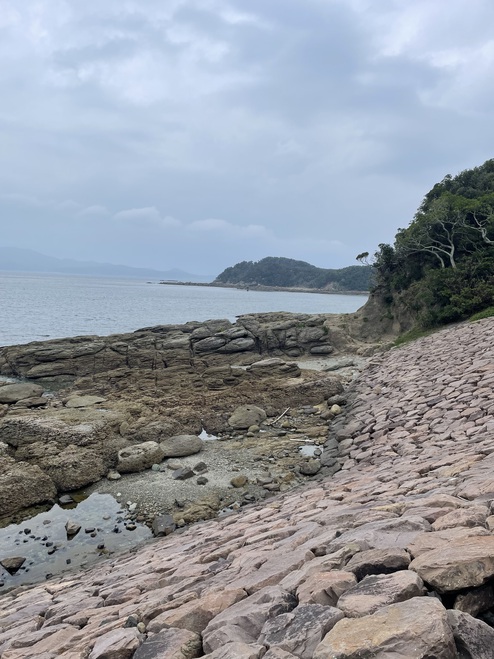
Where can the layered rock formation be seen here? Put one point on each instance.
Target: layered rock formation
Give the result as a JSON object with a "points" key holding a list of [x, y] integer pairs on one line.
{"points": [[127, 402], [391, 557]]}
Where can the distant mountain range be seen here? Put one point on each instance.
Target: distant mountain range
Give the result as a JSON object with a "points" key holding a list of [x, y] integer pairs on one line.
{"points": [[15, 259]]}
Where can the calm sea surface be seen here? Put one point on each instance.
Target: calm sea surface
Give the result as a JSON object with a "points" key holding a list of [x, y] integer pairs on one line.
{"points": [[38, 307]]}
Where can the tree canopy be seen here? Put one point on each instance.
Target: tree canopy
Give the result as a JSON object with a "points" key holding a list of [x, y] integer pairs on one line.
{"points": [[442, 264], [289, 273]]}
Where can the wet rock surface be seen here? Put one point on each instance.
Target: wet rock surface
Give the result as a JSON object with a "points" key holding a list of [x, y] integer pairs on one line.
{"points": [[414, 443]]}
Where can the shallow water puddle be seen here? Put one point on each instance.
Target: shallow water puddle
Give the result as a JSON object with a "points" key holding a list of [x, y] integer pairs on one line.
{"points": [[48, 550], [310, 450], [206, 437]]}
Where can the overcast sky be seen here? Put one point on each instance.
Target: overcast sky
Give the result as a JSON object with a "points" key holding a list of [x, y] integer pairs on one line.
{"points": [[198, 133]]}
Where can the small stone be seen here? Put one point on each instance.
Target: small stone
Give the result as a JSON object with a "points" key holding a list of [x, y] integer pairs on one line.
{"points": [[202, 480], [113, 475], [200, 467], [239, 481], [182, 474], [163, 525], [65, 499], [13, 564], [72, 528]]}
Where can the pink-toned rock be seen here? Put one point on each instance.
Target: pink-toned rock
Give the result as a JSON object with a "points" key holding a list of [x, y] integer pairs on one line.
{"points": [[378, 561], [466, 517], [386, 534], [246, 618], [476, 488], [437, 539], [117, 644], [171, 643], [415, 629], [378, 590], [54, 645], [273, 571], [325, 587], [195, 615], [238, 651], [461, 564]]}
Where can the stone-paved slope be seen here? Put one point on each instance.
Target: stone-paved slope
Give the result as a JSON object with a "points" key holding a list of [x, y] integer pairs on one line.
{"points": [[392, 557]]}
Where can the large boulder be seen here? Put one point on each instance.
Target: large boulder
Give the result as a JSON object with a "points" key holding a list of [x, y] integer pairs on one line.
{"points": [[415, 629], [139, 457], [464, 563], [245, 416], [11, 393], [23, 485], [74, 467], [179, 446]]}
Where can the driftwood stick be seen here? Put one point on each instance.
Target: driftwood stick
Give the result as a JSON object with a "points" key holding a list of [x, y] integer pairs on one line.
{"points": [[279, 417]]}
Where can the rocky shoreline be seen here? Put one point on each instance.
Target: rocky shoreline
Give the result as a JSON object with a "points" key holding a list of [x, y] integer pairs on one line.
{"points": [[262, 287], [127, 413], [392, 555]]}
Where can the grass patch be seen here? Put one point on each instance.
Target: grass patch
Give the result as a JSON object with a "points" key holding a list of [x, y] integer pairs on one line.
{"points": [[486, 313], [412, 335]]}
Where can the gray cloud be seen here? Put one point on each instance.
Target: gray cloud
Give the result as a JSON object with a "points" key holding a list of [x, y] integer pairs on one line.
{"points": [[196, 133]]}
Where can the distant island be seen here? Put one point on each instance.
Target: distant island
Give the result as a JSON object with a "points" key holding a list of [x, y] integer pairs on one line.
{"points": [[15, 259], [279, 272]]}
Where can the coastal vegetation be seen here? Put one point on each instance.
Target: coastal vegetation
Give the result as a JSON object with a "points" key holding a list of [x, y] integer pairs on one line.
{"points": [[290, 273], [440, 268]]}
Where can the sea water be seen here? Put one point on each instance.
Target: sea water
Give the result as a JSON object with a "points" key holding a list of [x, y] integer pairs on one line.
{"points": [[36, 307]]}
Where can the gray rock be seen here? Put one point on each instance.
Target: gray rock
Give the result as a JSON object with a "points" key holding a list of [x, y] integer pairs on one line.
{"points": [[72, 528], [83, 401], [180, 446], [139, 457], [475, 601], [238, 345], [173, 643], [183, 474], [474, 639], [245, 416], [11, 393], [163, 525], [12, 564], [301, 630], [321, 350], [310, 467], [210, 344]]}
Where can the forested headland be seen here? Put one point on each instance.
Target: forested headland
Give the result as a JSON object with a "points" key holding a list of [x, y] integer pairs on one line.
{"points": [[289, 273], [440, 268]]}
